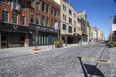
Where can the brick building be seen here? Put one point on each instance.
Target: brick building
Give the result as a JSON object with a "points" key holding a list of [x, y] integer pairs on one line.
{"points": [[25, 22]]}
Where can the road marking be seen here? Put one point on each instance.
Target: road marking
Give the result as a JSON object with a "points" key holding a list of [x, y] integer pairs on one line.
{"points": [[87, 59], [103, 61]]}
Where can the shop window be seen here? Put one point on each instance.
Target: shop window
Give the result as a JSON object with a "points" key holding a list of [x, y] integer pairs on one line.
{"points": [[4, 16]]}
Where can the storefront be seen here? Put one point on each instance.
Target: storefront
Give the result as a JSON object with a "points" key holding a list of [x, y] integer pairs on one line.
{"points": [[44, 35], [12, 35]]}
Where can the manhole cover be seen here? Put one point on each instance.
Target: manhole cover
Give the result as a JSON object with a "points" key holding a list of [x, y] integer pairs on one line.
{"points": [[87, 59], [103, 61]]}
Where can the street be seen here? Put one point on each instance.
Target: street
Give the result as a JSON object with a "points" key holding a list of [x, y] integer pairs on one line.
{"points": [[78, 61]]}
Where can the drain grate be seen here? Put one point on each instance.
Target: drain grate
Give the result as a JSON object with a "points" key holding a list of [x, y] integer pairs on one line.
{"points": [[103, 61], [87, 59]]}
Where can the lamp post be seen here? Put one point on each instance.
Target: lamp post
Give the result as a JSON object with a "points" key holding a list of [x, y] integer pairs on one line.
{"points": [[111, 26]]}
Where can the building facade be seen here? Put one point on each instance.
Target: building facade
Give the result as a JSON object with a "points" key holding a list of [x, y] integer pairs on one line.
{"points": [[25, 22], [114, 32], [68, 22], [83, 18]]}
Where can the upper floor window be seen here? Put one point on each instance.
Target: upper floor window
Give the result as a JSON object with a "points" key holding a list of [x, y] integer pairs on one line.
{"points": [[38, 4], [70, 20], [47, 6], [32, 17], [64, 7], [74, 22], [74, 15], [14, 18], [43, 20], [69, 29], [43, 6], [70, 12], [55, 12], [37, 19], [5, 1], [5, 16], [32, 3], [64, 17], [74, 29], [64, 27], [23, 4], [22, 20], [47, 21], [15, 3]]}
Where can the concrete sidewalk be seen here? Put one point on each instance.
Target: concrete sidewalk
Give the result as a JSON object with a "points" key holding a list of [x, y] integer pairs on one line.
{"points": [[112, 54]]}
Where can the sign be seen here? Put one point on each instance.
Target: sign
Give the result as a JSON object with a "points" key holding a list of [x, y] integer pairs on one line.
{"points": [[42, 28], [113, 27]]}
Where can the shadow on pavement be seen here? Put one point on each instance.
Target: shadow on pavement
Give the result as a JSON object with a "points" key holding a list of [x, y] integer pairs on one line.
{"points": [[90, 69]]}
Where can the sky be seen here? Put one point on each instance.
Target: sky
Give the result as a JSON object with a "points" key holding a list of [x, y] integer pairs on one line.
{"points": [[98, 12]]}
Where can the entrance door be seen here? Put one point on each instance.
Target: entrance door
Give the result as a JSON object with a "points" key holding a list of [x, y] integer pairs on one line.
{"points": [[4, 40]]}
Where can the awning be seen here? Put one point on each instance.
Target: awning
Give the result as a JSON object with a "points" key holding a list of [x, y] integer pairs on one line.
{"points": [[14, 28]]}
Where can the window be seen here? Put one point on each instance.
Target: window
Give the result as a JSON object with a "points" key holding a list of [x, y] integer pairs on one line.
{"points": [[52, 23], [74, 22], [70, 20], [14, 18], [52, 11], [64, 27], [15, 4], [5, 16], [47, 21], [55, 12], [32, 3], [32, 17], [43, 6], [43, 20], [74, 29], [74, 15], [64, 7], [22, 20], [37, 19], [23, 5], [69, 29], [47, 6], [70, 12], [5, 1], [38, 4], [64, 17]]}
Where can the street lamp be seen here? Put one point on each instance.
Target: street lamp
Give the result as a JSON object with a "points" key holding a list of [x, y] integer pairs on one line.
{"points": [[111, 26]]}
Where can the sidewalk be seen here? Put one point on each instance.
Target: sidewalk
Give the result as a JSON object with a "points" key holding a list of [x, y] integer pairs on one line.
{"points": [[22, 51], [112, 54]]}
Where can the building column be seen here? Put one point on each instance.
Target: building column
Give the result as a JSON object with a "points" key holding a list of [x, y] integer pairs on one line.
{"points": [[26, 40]]}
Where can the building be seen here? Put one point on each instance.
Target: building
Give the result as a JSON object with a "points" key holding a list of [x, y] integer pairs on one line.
{"points": [[27, 22], [83, 18], [68, 22], [93, 33], [88, 32], [114, 30]]}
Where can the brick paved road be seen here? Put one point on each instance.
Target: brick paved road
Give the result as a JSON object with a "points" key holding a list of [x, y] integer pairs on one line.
{"points": [[54, 63]]}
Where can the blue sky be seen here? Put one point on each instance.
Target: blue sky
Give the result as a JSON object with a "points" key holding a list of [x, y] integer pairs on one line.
{"points": [[98, 12]]}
